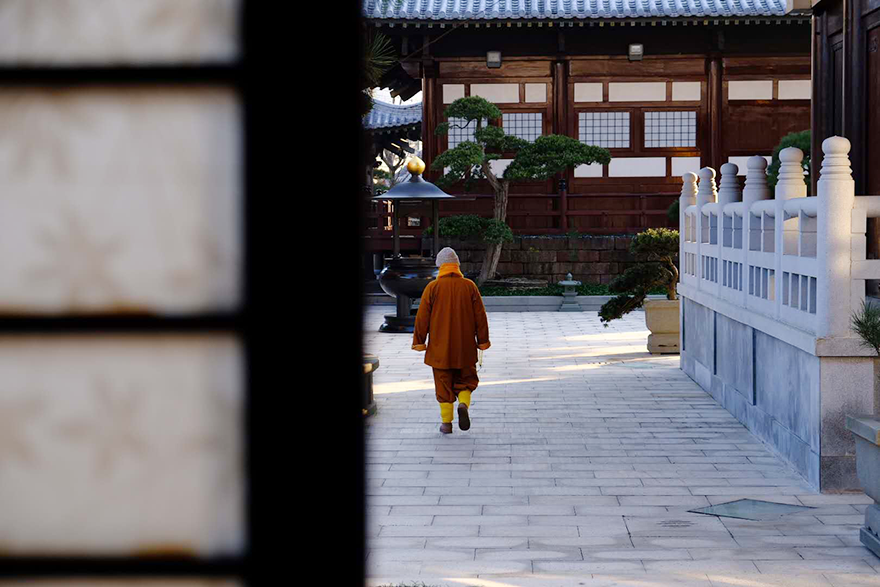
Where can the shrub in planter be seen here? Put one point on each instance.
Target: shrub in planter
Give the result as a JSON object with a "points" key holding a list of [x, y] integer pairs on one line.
{"points": [[656, 250], [866, 430], [866, 324]]}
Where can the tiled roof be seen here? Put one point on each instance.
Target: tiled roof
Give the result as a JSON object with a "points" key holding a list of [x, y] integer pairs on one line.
{"points": [[384, 115], [458, 10]]}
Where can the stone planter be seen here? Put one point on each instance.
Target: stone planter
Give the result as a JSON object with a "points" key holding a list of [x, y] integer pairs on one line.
{"points": [[866, 430], [371, 363], [661, 316]]}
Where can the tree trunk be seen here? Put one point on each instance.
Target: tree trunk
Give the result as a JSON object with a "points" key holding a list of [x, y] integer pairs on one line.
{"points": [[671, 287], [490, 263], [493, 251]]}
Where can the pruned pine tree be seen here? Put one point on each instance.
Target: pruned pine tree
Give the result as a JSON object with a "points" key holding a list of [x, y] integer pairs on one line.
{"points": [[470, 161], [656, 249]]}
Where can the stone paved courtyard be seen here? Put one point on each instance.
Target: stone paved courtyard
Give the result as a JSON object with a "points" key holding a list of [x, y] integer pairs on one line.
{"points": [[584, 456]]}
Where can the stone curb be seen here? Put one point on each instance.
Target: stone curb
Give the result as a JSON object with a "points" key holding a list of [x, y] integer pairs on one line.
{"points": [[517, 303]]}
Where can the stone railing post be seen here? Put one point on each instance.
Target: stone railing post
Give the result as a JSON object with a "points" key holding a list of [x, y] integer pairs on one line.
{"points": [[685, 230], [833, 229], [706, 194], [729, 191], [755, 190], [790, 185]]}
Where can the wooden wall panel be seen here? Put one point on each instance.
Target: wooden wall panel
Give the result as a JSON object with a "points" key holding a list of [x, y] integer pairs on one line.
{"points": [[757, 128], [872, 114], [650, 66], [764, 66], [471, 69]]}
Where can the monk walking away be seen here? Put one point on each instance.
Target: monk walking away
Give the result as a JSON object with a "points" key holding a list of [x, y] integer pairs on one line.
{"points": [[451, 325]]}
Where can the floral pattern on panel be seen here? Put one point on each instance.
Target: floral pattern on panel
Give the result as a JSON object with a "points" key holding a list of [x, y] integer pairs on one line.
{"points": [[118, 31], [111, 431], [16, 418], [120, 200]]}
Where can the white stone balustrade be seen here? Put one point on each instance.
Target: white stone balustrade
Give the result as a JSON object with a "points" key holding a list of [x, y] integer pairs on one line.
{"points": [[777, 253], [769, 282]]}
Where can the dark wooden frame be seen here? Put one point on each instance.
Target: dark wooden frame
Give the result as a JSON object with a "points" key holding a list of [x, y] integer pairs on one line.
{"points": [[241, 76]]}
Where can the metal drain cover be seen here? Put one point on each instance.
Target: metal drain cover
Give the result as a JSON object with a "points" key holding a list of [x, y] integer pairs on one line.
{"points": [[676, 524], [751, 509]]}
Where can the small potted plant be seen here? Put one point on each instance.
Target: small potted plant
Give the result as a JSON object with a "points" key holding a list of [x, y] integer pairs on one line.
{"points": [[656, 250], [866, 430]]}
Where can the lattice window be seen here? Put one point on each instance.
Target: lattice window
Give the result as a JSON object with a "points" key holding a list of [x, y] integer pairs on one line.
{"points": [[460, 132], [525, 125], [604, 129], [671, 129]]}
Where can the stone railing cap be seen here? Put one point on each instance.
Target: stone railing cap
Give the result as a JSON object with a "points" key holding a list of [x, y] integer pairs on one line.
{"points": [[866, 426], [836, 145], [756, 162]]}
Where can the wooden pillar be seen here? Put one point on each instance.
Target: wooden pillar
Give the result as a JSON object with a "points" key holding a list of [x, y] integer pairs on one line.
{"points": [[716, 106], [435, 224], [429, 109], [563, 204], [817, 61], [560, 122]]}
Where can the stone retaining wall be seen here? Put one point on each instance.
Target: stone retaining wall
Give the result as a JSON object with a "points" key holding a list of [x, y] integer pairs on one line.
{"points": [[590, 259]]}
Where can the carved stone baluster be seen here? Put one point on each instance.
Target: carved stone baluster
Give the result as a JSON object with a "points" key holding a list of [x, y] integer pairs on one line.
{"points": [[833, 229]]}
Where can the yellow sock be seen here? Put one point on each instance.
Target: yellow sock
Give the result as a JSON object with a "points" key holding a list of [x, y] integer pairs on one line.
{"points": [[464, 397], [446, 413]]}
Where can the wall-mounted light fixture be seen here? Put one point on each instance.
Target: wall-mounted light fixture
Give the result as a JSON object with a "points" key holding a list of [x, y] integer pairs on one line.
{"points": [[636, 50], [493, 59]]}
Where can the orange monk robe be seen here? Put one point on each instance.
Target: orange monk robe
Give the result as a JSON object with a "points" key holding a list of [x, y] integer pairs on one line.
{"points": [[451, 311]]}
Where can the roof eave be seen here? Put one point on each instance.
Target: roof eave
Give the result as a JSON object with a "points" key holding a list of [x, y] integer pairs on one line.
{"points": [[593, 21]]}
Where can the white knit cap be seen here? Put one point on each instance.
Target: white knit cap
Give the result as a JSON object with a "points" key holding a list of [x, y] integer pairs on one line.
{"points": [[447, 255]]}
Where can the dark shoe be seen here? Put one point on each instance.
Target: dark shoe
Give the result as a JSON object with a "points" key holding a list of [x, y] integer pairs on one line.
{"points": [[464, 422], [446, 428]]}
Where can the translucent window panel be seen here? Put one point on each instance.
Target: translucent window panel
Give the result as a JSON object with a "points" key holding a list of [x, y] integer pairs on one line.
{"points": [[118, 31], [525, 125], [102, 582], [121, 445], [452, 92], [750, 90], [671, 129], [120, 200], [604, 129]]}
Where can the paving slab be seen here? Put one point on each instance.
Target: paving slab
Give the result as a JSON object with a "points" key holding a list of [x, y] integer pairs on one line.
{"points": [[584, 456]]}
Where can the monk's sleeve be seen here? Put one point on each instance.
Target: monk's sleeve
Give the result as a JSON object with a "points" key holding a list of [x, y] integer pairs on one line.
{"points": [[423, 321], [481, 320]]}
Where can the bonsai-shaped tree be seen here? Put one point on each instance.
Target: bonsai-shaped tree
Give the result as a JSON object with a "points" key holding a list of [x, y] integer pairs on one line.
{"points": [[377, 57], [801, 140], [656, 249], [866, 324], [470, 161]]}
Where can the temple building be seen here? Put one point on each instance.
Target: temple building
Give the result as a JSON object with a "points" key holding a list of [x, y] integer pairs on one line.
{"points": [[846, 93], [667, 87]]}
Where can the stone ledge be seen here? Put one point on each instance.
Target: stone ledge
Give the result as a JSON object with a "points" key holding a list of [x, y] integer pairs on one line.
{"points": [[517, 303], [866, 427]]}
